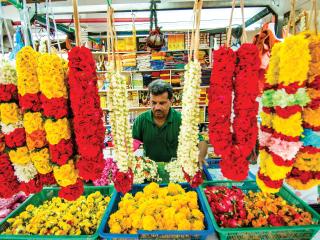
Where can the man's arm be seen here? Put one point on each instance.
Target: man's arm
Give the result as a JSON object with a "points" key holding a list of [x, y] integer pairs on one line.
{"points": [[203, 149]]}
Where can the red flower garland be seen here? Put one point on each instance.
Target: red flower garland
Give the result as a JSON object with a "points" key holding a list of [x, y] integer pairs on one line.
{"points": [[61, 152], [304, 176], [87, 121], [15, 139], [55, 107], [72, 192], [8, 92], [123, 181], [234, 147], [30, 102], [9, 184]]}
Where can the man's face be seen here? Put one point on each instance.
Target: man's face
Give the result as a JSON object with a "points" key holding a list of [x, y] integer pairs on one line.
{"points": [[160, 105]]}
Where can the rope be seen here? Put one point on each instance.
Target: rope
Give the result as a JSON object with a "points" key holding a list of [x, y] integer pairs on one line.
{"points": [[195, 35], [292, 17], [76, 22], [244, 33], [233, 4], [55, 27], [48, 27]]}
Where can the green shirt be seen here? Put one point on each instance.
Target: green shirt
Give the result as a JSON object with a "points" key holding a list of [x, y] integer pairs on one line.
{"points": [[160, 143]]}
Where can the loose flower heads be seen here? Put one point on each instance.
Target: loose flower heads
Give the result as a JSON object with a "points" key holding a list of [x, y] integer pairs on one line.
{"points": [[281, 119], [234, 72]]}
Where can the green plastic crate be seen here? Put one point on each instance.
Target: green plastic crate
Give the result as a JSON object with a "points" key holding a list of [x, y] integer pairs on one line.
{"points": [[47, 194], [264, 233]]}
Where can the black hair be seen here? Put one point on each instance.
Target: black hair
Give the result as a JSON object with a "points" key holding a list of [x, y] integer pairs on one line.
{"points": [[157, 87]]}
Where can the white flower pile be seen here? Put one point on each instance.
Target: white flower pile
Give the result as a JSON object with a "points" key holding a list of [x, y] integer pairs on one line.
{"points": [[145, 169], [119, 119], [187, 154]]}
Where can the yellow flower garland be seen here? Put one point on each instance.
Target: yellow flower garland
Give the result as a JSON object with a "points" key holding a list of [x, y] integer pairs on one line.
{"points": [[20, 156], [41, 160], [297, 184], [314, 47], [291, 126], [265, 188], [9, 113], [272, 74], [66, 174], [294, 52], [266, 119], [51, 76], [32, 122], [270, 169], [57, 130], [308, 162], [312, 116], [313, 93], [26, 69]]}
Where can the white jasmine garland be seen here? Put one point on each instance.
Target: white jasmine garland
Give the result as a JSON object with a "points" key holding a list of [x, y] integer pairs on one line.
{"points": [[119, 119], [9, 128], [24, 172], [188, 152], [175, 172], [8, 74]]}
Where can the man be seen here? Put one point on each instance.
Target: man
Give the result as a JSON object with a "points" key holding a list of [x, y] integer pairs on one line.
{"points": [[159, 127]]}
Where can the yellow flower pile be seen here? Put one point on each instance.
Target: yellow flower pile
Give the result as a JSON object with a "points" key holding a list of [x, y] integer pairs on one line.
{"points": [[41, 160], [57, 130], [167, 208], [26, 63], [66, 174], [32, 122], [51, 76], [61, 217], [9, 113], [20, 156]]}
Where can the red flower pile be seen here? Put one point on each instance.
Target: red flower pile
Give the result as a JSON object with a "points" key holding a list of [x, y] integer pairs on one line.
{"points": [[8, 181], [85, 105], [234, 73], [227, 205]]}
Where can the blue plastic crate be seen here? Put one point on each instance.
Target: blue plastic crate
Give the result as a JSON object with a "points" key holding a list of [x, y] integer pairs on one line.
{"points": [[104, 230], [213, 163]]}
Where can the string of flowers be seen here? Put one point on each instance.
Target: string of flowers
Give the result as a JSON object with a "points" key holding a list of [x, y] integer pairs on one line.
{"points": [[236, 72], [187, 153], [121, 130], [306, 169], [35, 170], [11, 132], [283, 100], [87, 114], [57, 127]]}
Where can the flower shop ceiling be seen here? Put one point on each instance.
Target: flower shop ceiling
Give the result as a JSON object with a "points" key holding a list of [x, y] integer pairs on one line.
{"points": [[172, 14]]}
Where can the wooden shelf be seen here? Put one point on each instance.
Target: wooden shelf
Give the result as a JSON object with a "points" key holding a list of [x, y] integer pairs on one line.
{"points": [[145, 108]]}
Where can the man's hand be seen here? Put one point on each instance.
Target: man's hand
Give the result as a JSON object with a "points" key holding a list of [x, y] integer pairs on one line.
{"points": [[203, 148]]}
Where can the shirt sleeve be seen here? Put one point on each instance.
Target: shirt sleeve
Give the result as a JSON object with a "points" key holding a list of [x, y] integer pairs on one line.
{"points": [[137, 129], [200, 137]]}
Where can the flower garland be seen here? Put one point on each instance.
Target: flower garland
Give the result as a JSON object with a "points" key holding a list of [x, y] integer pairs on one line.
{"points": [[85, 105], [121, 130], [110, 170], [306, 171], [8, 181], [145, 169], [187, 153], [281, 120], [234, 147]]}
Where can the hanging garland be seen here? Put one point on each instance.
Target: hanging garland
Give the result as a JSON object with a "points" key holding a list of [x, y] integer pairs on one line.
{"points": [[281, 119], [85, 105], [234, 147], [306, 169]]}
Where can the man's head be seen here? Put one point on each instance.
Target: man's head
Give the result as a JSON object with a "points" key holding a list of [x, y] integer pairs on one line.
{"points": [[160, 98]]}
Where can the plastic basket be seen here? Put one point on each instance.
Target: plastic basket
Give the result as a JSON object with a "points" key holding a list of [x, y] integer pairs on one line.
{"points": [[104, 230], [266, 233], [47, 194], [213, 163]]}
